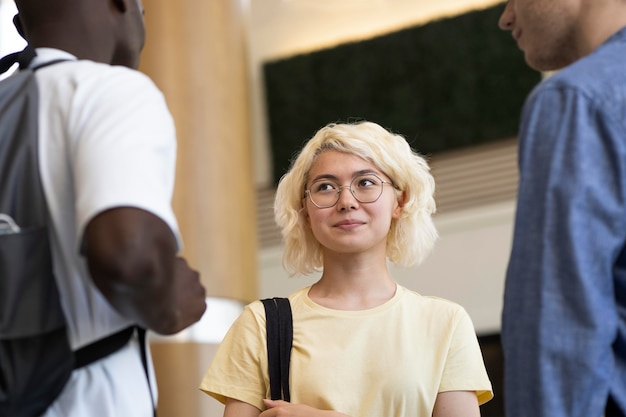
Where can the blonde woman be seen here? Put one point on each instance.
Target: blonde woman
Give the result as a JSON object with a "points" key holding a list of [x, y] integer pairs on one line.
{"points": [[355, 198]]}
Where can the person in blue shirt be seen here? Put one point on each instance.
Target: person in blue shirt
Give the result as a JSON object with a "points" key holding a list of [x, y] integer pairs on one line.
{"points": [[564, 314]]}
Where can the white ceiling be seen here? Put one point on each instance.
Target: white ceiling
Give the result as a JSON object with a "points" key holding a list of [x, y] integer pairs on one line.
{"points": [[280, 28]]}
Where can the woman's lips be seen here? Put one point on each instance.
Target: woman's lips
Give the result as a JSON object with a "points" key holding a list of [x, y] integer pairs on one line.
{"points": [[348, 224]]}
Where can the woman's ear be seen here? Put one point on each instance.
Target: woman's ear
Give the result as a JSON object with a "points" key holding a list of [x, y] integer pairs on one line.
{"points": [[397, 211], [304, 214]]}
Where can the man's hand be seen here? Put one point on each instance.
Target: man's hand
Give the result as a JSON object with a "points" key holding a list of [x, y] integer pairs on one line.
{"points": [[131, 255]]}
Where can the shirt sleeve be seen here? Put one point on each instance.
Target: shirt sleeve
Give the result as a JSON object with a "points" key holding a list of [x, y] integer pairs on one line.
{"points": [[123, 146], [559, 317], [464, 366], [239, 368]]}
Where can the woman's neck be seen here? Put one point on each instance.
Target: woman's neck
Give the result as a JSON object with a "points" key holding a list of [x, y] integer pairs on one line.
{"points": [[353, 285]]}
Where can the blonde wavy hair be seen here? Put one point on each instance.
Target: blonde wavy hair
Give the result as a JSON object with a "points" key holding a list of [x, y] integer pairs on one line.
{"points": [[411, 237]]}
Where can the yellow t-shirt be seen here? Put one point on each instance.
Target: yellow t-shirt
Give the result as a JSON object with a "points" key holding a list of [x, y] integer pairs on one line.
{"points": [[388, 361]]}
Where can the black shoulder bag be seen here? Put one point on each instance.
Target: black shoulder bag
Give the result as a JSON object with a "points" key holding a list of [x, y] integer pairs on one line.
{"points": [[279, 327]]}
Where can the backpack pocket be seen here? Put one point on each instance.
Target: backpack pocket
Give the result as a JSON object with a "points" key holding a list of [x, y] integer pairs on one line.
{"points": [[35, 355], [29, 298]]}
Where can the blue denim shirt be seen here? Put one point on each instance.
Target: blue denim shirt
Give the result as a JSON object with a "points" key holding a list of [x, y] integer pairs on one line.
{"points": [[564, 318]]}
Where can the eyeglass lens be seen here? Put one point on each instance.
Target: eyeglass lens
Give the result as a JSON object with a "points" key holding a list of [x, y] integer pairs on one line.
{"points": [[365, 188]]}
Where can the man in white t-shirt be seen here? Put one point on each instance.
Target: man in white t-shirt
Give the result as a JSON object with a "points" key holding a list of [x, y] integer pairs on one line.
{"points": [[107, 149]]}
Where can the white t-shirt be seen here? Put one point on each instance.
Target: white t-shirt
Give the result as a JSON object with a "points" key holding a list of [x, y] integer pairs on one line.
{"points": [[106, 139], [391, 360]]}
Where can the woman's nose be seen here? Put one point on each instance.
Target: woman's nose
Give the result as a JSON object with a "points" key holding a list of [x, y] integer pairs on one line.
{"points": [[346, 198]]}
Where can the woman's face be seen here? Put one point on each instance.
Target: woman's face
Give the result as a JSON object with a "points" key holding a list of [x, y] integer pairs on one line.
{"points": [[349, 226]]}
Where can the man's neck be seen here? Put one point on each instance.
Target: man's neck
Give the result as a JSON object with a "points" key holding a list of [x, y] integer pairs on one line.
{"points": [[601, 22]]}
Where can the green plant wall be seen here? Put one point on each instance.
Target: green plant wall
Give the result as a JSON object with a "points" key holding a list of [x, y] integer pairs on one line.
{"points": [[449, 84]]}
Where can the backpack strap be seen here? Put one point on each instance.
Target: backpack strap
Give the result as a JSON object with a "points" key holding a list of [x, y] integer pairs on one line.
{"points": [[279, 328], [102, 348], [24, 58], [141, 334]]}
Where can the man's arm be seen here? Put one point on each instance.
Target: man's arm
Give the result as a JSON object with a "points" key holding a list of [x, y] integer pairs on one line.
{"points": [[559, 318], [132, 258]]}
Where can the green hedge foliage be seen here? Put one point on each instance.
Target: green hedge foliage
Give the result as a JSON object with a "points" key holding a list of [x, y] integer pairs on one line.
{"points": [[445, 85]]}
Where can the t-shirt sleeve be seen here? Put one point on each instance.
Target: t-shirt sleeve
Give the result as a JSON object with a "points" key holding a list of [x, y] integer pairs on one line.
{"points": [[465, 368], [239, 368], [123, 146]]}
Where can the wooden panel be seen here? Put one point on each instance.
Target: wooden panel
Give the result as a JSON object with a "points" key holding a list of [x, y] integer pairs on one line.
{"points": [[195, 52], [179, 368]]}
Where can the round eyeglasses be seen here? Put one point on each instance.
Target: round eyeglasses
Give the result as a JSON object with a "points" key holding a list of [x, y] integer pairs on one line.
{"points": [[325, 193]]}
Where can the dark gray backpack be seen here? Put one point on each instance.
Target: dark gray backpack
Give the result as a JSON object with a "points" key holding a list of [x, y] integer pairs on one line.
{"points": [[35, 356]]}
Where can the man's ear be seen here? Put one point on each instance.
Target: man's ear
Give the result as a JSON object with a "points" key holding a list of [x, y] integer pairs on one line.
{"points": [[121, 5], [18, 25]]}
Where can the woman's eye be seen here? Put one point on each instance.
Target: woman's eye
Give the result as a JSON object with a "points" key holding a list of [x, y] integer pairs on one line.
{"points": [[366, 182], [325, 186]]}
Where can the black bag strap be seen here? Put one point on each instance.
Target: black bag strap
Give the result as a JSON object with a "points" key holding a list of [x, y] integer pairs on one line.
{"points": [[23, 57], [102, 348], [141, 332], [279, 328]]}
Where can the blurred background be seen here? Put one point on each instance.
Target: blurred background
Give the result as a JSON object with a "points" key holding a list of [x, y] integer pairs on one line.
{"points": [[249, 81]]}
